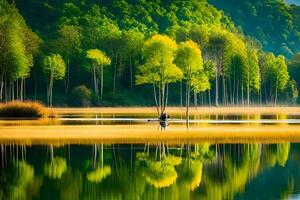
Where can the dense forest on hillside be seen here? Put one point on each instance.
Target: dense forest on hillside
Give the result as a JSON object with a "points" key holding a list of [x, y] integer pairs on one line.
{"points": [[273, 22], [135, 52]]}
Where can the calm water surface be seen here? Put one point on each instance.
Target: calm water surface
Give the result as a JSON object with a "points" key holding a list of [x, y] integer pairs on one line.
{"points": [[183, 171], [151, 171]]}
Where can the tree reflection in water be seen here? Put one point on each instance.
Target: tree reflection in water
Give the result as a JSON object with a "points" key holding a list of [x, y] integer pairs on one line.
{"points": [[161, 171]]}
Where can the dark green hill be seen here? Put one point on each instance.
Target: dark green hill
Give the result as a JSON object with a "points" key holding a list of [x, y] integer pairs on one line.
{"points": [[273, 22]]}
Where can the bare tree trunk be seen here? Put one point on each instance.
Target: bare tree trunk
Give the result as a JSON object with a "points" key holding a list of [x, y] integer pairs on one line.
{"points": [[101, 93], [187, 103], [95, 156], [166, 99], [115, 74], [242, 94], [276, 94], [159, 97], [95, 80], [195, 100], [67, 80], [21, 89], [24, 88], [209, 97], [155, 98], [17, 89], [49, 96], [224, 89], [13, 90], [131, 73], [181, 100], [1, 90], [1, 85], [217, 90], [248, 89], [163, 98], [51, 152]]}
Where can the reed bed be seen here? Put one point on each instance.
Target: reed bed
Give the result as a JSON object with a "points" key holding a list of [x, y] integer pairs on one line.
{"points": [[18, 109]]}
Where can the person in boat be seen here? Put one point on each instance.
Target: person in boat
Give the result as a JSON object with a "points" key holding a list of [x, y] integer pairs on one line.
{"points": [[164, 117]]}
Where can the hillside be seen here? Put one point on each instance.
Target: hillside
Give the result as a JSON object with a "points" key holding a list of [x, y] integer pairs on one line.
{"points": [[273, 22], [92, 52]]}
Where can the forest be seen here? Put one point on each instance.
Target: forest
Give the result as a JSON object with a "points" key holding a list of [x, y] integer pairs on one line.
{"points": [[138, 52], [274, 23]]}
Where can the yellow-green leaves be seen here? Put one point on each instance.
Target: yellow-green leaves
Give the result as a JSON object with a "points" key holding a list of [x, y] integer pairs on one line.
{"points": [[281, 72], [55, 66], [251, 72], [99, 174], [159, 67], [56, 168], [98, 56], [189, 58]]}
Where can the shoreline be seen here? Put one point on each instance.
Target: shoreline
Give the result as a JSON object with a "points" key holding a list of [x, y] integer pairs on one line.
{"points": [[180, 110]]}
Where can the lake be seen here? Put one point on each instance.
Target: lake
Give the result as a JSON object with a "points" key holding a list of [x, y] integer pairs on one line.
{"points": [[117, 154]]}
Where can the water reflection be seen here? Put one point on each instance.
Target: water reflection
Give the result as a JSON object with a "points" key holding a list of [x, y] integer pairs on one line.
{"points": [[131, 118], [160, 171]]}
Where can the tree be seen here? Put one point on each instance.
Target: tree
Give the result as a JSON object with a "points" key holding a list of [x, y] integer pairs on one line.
{"points": [[292, 91], [266, 67], [133, 43], [282, 75], [99, 60], [68, 44], [159, 68], [209, 69], [56, 168], [217, 43], [251, 74], [189, 59], [18, 59], [81, 96], [18, 45], [55, 67]]}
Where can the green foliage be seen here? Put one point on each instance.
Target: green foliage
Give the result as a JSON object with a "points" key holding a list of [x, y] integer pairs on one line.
{"points": [[161, 173], [190, 173], [159, 54], [54, 66], [292, 91], [99, 174], [98, 57], [273, 23], [283, 151], [16, 52], [138, 39], [189, 59], [281, 73], [25, 174], [81, 96], [56, 168], [251, 71]]}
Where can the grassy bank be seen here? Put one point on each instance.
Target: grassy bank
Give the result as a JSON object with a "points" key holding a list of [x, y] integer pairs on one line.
{"points": [[17, 109]]}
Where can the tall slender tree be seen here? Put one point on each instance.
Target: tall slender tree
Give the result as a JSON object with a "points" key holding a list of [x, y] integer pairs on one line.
{"points": [[99, 60], [189, 59], [67, 44], [55, 67], [159, 68]]}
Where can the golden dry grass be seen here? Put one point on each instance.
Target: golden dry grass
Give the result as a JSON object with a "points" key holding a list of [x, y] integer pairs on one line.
{"points": [[147, 134], [18, 109]]}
